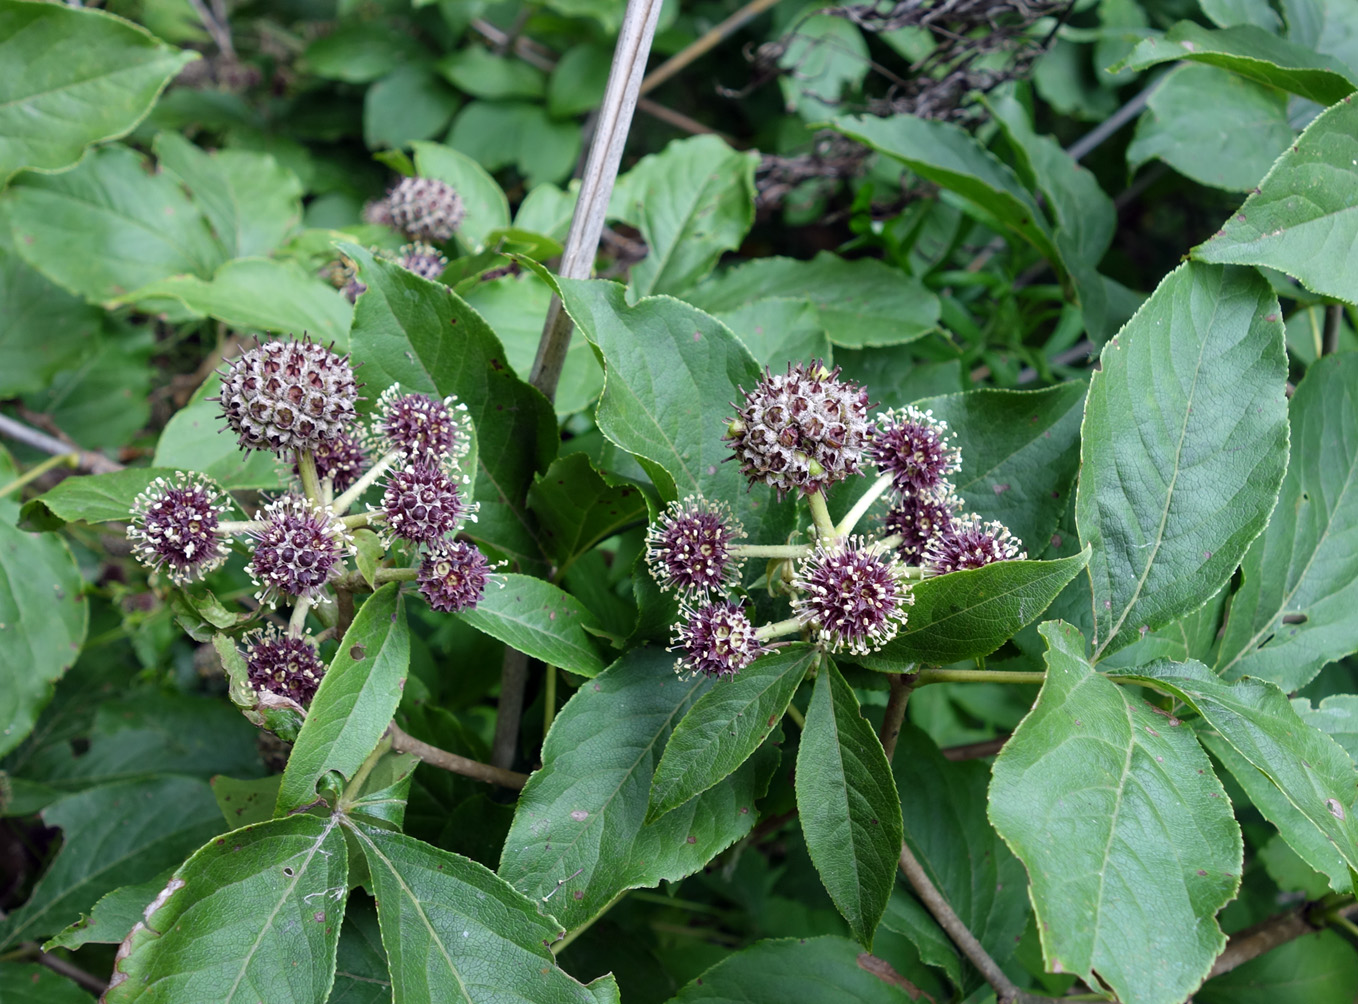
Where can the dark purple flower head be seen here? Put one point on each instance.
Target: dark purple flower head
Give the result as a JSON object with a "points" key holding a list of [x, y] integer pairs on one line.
{"points": [[422, 504], [912, 446], [918, 517], [341, 459], [453, 575], [803, 430], [424, 428], [174, 527], [689, 547], [422, 259], [297, 549], [285, 665], [715, 639], [425, 209], [969, 543], [853, 597], [288, 395]]}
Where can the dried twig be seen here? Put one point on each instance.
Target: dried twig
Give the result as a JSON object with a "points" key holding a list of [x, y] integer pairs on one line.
{"points": [[96, 463]]}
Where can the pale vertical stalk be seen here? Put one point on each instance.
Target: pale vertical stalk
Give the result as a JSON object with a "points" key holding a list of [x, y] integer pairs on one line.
{"points": [[820, 516], [341, 505], [860, 507], [596, 186], [306, 470], [297, 623]]}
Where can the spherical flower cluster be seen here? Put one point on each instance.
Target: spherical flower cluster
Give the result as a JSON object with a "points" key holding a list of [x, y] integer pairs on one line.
{"points": [[453, 575], [422, 504], [284, 665], [423, 428], [912, 446], [919, 517], [689, 548], [297, 549], [425, 209], [970, 543], [175, 527], [422, 259], [716, 639], [341, 459], [288, 395], [852, 596], [803, 430]]}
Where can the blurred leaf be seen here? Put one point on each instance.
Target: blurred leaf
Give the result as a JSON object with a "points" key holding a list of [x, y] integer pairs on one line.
{"points": [[825, 970], [114, 835], [1254, 54], [692, 201], [409, 103], [1336, 716], [860, 302], [1229, 13], [451, 924], [1213, 126], [258, 911], [361, 51], [825, 55], [1301, 220], [355, 701], [43, 617], [578, 837], [108, 226], [577, 509], [725, 726], [112, 917], [848, 805], [577, 83], [517, 134], [1126, 833], [30, 983], [481, 73], [102, 401], [1313, 969], [538, 618], [779, 330], [1179, 475], [73, 77]]}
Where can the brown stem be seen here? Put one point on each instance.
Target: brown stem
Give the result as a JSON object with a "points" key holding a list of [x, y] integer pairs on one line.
{"points": [[513, 681], [344, 603], [1277, 930], [704, 44], [1005, 990], [1329, 345], [885, 972], [59, 965], [974, 751], [901, 685], [404, 742]]}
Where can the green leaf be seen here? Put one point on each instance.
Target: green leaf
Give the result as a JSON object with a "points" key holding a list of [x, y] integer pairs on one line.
{"points": [[860, 302], [102, 401], [577, 82], [30, 983], [1301, 220], [825, 970], [478, 71], [672, 375], [848, 805], [517, 134], [823, 56], [1292, 613], [1229, 13], [73, 77], [487, 207], [1254, 54], [355, 701], [196, 439], [257, 911], [243, 802], [1020, 454], [361, 51], [1127, 835], [454, 930], [1213, 126], [1313, 969], [409, 103], [43, 617], [948, 156], [94, 498], [113, 835], [108, 226], [778, 330], [368, 551], [576, 508], [1336, 716], [971, 613], [908, 918], [1254, 716], [425, 337], [725, 727], [943, 805], [578, 837], [252, 202], [1184, 447], [258, 294], [691, 202], [112, 917], [361, 973], [538, 618]]}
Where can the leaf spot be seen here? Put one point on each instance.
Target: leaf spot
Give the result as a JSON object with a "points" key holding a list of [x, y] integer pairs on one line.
{"points": [[1336, 809], [579, 815]]}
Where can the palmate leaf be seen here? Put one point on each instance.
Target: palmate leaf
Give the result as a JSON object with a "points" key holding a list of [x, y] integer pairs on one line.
{"points": [[1127, 835], [848, 805], [455, 931], [254, 915], [1184, 445], [1293, 612]]}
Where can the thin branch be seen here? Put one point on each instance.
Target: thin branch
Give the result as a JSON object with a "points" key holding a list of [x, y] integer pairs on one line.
{"points": [[59, 965], [218, 29], [38, 470], [1277, 930], [974, 751], [596, 187], [96, 463], [404, 742], [901, 685], [705, 43], [509, 713], [1334, 314], [1005, 990]]}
